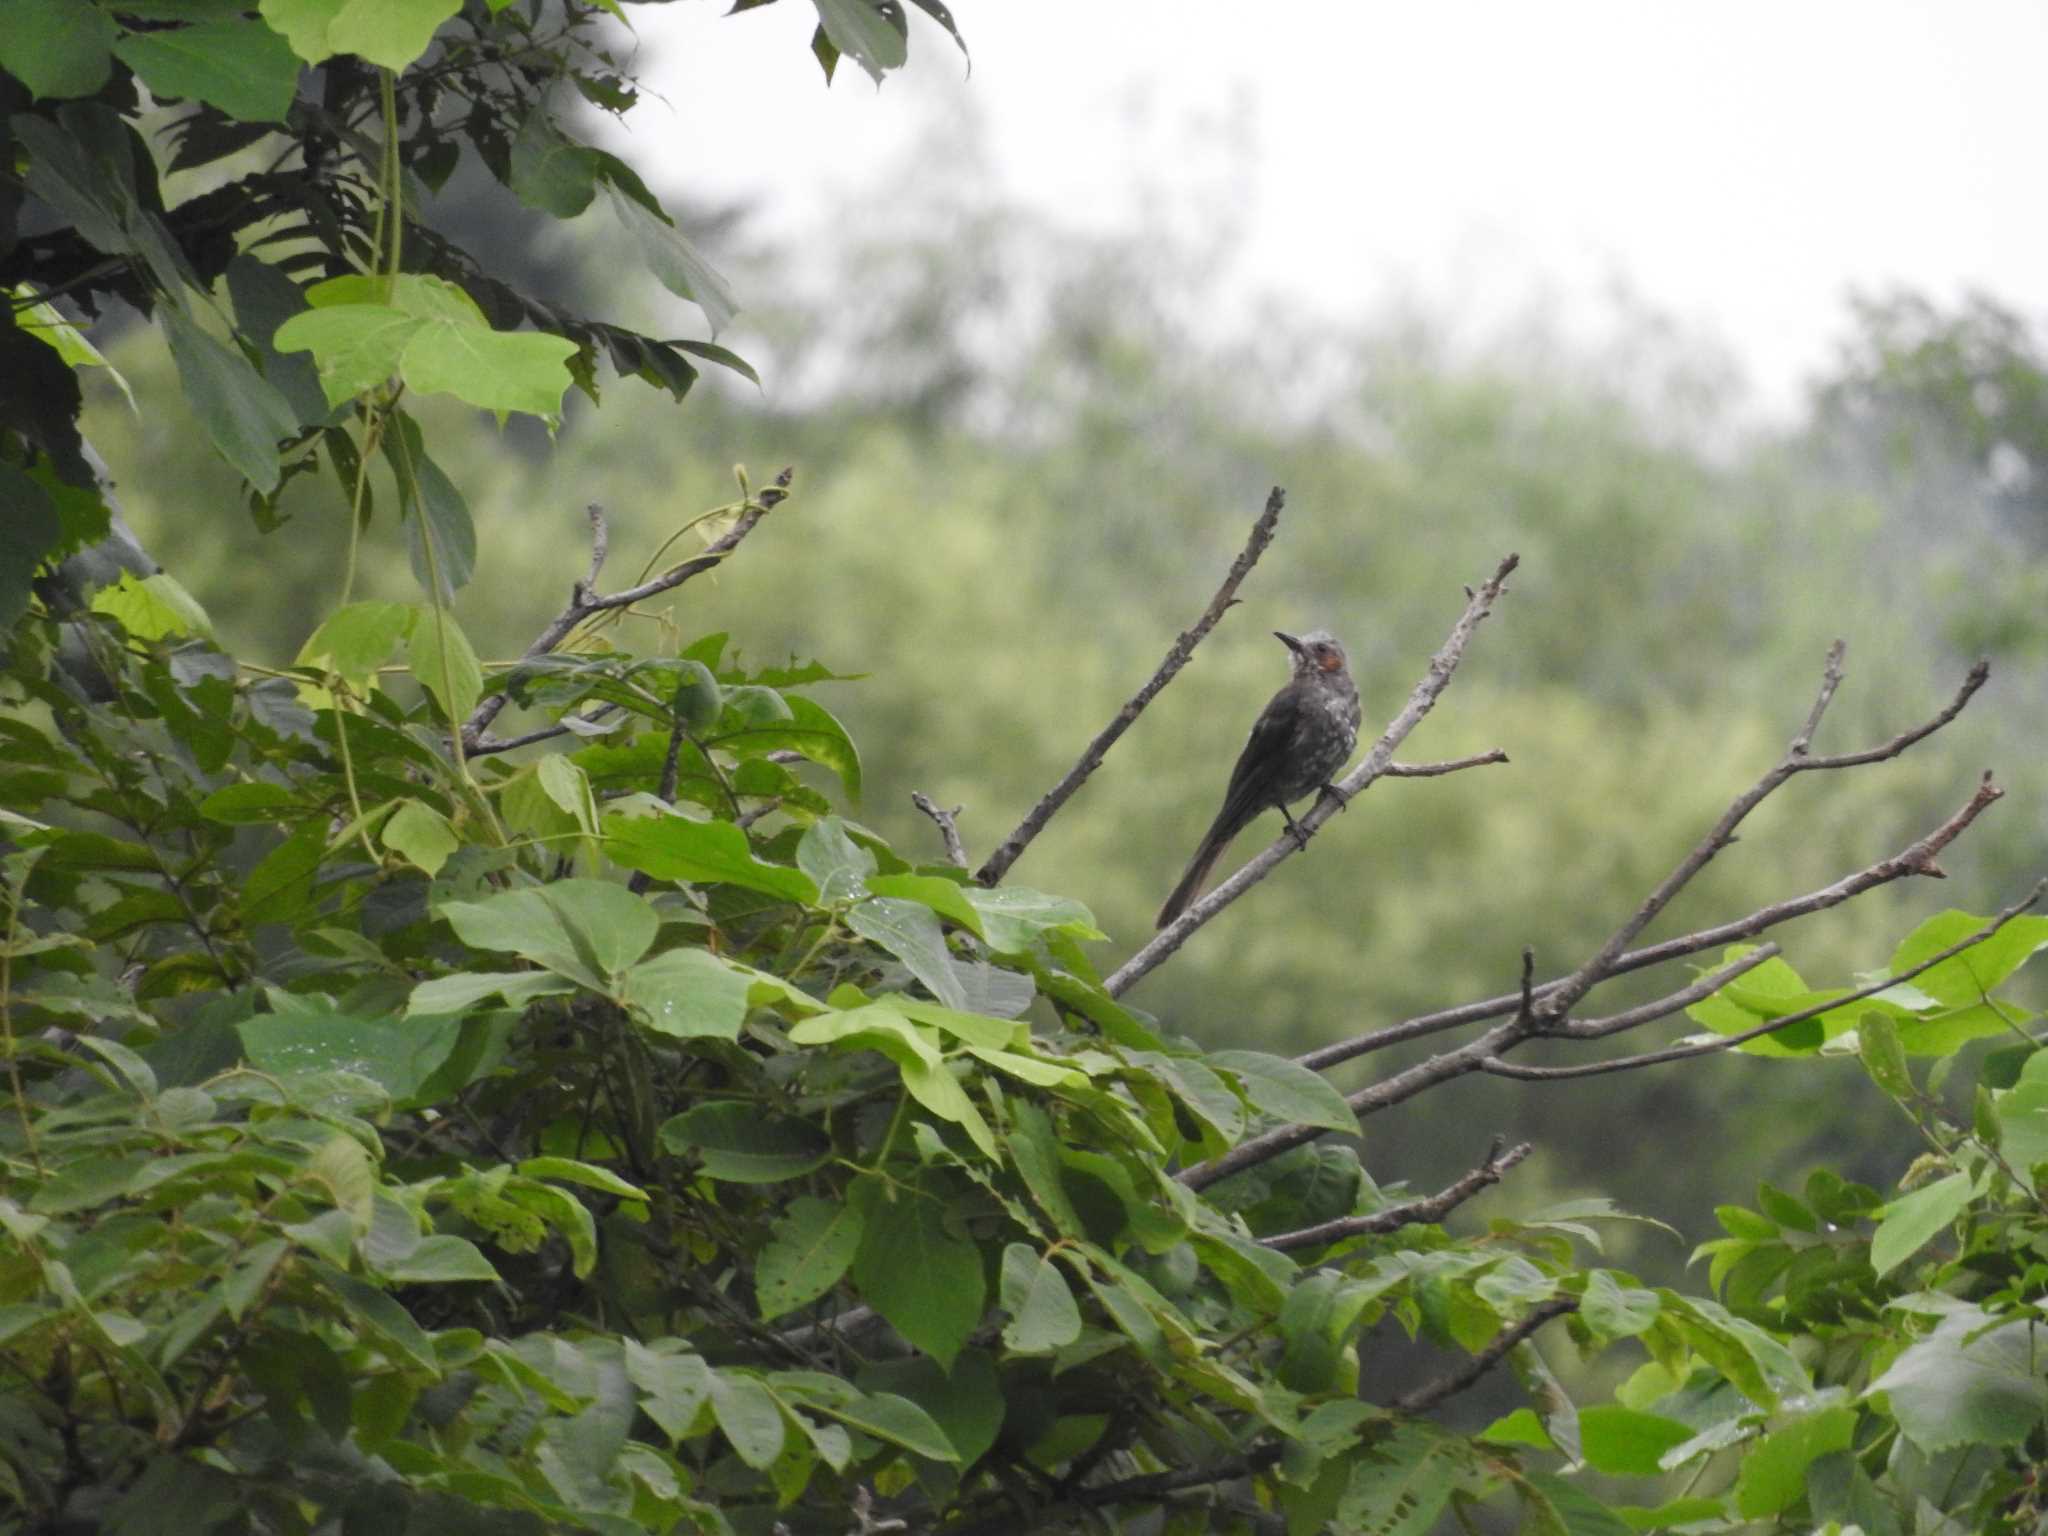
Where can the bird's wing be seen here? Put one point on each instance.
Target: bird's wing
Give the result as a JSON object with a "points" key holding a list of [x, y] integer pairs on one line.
{"points": [[1263, 762]]}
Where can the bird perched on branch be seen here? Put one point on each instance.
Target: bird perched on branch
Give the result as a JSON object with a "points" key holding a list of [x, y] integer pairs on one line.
{"points": [[1301, 738]]}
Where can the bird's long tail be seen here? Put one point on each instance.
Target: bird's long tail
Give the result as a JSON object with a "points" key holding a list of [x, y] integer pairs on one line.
{"points": [[1191, 883]]}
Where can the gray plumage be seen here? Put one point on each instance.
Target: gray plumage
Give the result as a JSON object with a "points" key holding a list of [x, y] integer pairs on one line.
{"points": [[1301, 738]]}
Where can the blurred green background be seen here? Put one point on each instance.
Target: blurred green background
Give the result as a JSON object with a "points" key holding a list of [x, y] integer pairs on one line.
{"points": [[1024, 460]]}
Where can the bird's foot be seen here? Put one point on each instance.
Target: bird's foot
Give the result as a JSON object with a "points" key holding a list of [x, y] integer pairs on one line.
{"points": [[1295, 830], [1343, 800]]}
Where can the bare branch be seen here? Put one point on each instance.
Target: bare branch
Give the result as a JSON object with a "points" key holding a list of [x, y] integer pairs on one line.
{"points": [[1424, 1398], [1421, 700], [1011, 847], [1917, 858], [584, 601], [1693, 1048], [1434, 770], [1410, 1213], [947, 823], [1670, 1003]]}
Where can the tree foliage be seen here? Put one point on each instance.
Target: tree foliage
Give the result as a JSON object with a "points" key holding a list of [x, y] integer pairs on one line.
{"points": [[406, 1130]]}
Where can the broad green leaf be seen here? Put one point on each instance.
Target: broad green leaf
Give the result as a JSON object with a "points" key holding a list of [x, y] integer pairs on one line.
{"points": [[238, 65], [700, 852], [911, 932], [689, 993], [1877, 1042], [303, 24], [152, 607], [440, 1260], [835, 862], [1773, 1472], [443, 662], [897, 1420], [29, 531], [491, 370], [264, 298], [809, 1248], [810, 731], [740, 1143], [353, 642], [971, 1028], [465, 989], [1967, 977], [569, 1170], [1013, 918], [1043, 1314], [441, 536], [1287, 1089], [1623, 1442], [1911, 1221], [945, 897], [916, 1054], [242, 411], [1401, 1486], [392, 33], [873, 38], [673, 1387], [57, 48], [748, 1416], [399, 1054], [356, 347], [1973, 1381], [588, 930], [550, 172], [419, 834], [1614, 1310], [917, 1274], [965, 1402]]}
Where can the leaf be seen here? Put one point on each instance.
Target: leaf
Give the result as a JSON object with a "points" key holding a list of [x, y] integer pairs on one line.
{"points": [[1617, 1311], [1287, 1089], [1975, 1380], [264, 298], [57, 48], [153, 607], [1014, 918], [810, 731], [398, 1054], [835, 862], [441, 540], [876, 41], [678, 264], [355, 347], [29, 531], [910, 931], [712, 852], [242, 411], [550, 172], [1968, 977], [689, 993], [392, 33], [420, 835], [917, 1057], [899, 1421], [674, 1386], [238, 65], [354, 641], [462, 991], [1623, 1442], [1911, 1221], [943, 896], [491, 370], [1877, 1042], [1043, 1313], [444, 663], [809, 1247], [748, 1416], [440, 1260], [587, 930], [919, 1276], [1773, 1472], [740, 1143]]}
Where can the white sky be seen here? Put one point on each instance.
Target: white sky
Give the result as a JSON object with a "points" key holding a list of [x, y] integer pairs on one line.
{"points": [[1741, 165]]}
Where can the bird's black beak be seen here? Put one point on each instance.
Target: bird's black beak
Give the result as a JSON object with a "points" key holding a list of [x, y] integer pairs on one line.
{"points": [[1288, 640]]}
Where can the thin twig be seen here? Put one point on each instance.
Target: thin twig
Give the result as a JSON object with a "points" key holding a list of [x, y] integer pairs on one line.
{"points": [[1410, 1213], [1720, 1043], [1007, 851], [1434, 770], [1426, 1397], [584, 600], [1662, 1007], [1420, 701], [947, 823]]}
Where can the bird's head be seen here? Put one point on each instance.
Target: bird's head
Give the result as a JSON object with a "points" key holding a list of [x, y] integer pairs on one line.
{"points": [[1316, 654]]}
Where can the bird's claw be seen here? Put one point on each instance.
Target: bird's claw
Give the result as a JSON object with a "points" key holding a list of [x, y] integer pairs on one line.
{"points": [[1343, 800]]}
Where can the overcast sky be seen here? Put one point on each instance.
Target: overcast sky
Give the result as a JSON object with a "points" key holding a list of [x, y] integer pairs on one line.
{"points": [[1741, 165]]}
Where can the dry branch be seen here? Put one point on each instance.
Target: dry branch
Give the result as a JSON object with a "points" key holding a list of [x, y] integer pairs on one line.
{"points": [[1034, 822], [1410, 1213], [1424, 1398], [1421, 699], [948, 824]]}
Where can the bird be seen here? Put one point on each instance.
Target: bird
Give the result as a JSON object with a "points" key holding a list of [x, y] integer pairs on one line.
{"points": [[1301, 738]]}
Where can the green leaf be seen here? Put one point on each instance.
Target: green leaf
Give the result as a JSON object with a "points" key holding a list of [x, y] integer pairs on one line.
{"points": [[689, 993], [1974, 1381], [420, 835], [741, 1143], [587, 930], [303, 24], [356, 347], [1287, 1089], [874, 39], [1773, 1473], [916, 1055], [264, 298], [1401, 1488], [1043, 1313], [444, 663], [911, 932], [1614, 1310], [1625, 1443], [440, 1260], [1968, 977], [152, 607], [835, 862], [57, 48], [674, 1387], [550, 172], [810, 731], [899, 1421], [1014, 918], [1911, 1221], [238, 65], [441, 537], [810, 1246], [678, 264], [918, 1275], [354, 641], [399, 1054], [392, 33], [491, 370], [465, 989], [29, 531], [943, 896], [1877, 1042], [242, 411], [701, 852], [747, 1414]]}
